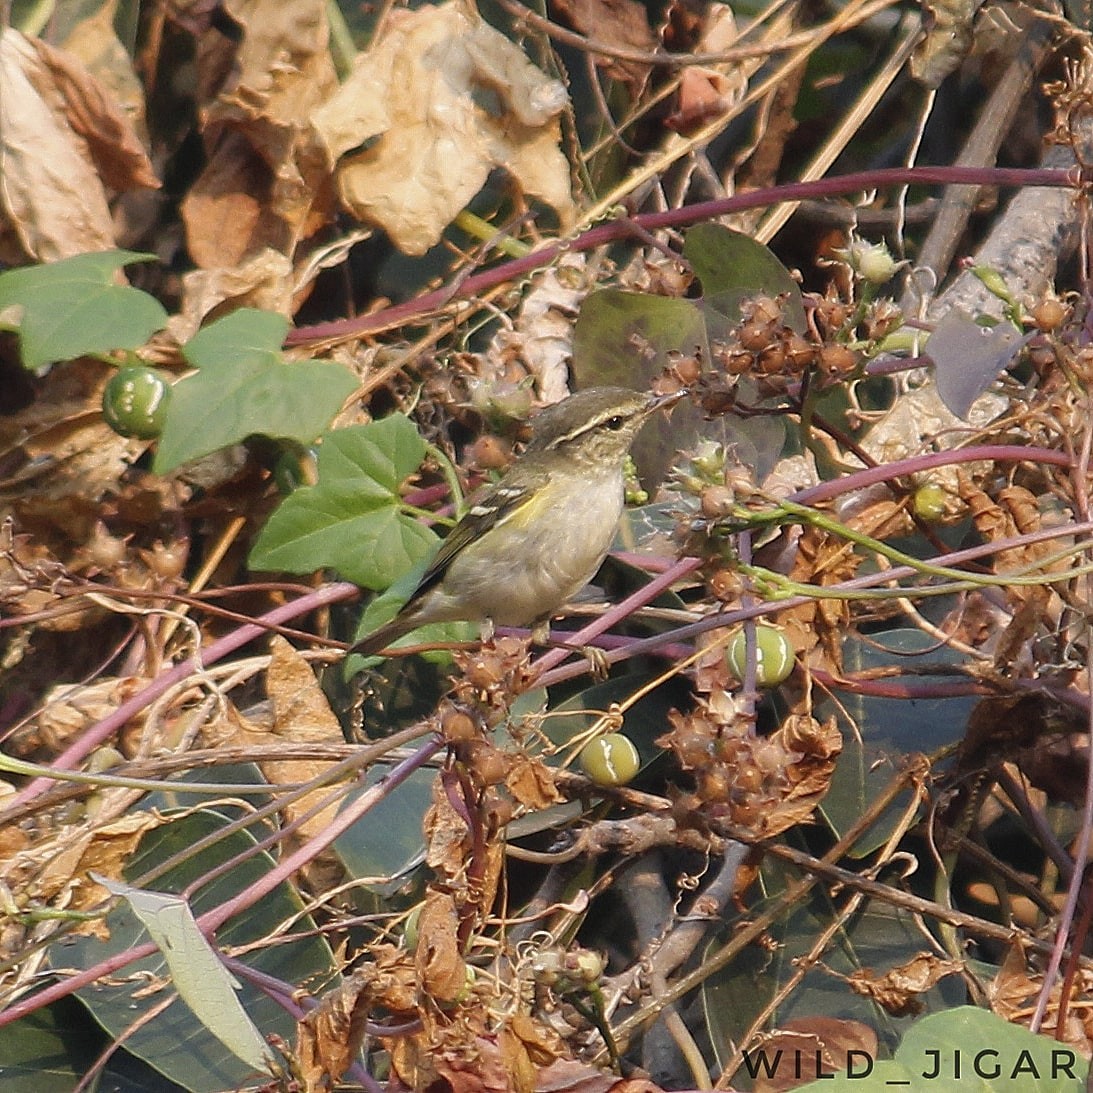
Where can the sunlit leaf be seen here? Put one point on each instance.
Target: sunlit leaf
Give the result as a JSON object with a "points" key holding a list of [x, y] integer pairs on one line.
{"points": [[75, 307], [968, 357], [197, 972], [351, 521], [245, 386]]}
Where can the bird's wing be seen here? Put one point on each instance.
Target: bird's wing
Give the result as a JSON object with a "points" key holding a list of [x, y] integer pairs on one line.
{"points": [[491, 509]]}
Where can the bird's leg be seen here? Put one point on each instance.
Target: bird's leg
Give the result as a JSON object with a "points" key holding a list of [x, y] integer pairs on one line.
{"points": [[596, 657]]}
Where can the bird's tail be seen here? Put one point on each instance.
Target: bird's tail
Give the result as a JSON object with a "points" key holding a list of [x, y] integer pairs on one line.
{"points": [[380, 639]]}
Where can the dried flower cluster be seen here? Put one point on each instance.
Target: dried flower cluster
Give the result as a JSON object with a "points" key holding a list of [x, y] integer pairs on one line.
{"points": [[763, 783]]}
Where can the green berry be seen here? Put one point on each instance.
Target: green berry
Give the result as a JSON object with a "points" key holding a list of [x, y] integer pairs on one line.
{"points": [[774, 656], [411, 929], [610, 760], [929, 503], [134, 401], [295, 467]]}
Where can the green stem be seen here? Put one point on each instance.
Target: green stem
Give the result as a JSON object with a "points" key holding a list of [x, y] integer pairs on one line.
{"points": [[116, 781], [427, 515], [481, 229], [451, 476], [788, 511], [343, 50]]}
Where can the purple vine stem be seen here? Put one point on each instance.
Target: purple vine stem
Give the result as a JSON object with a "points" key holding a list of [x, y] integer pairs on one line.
{"points": [[212, 920], [467, 287], [721, 619], [113, 722], [916, 464]]}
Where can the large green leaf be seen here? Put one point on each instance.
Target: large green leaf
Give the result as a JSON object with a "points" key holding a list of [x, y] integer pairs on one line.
{"points": [[74, 307], [175, 1042], [351, 520], [877, 937], [625, 339], [48, 1051], [886, 728], [381, 851], [733, 266], [965, 1050], [244, 386]]}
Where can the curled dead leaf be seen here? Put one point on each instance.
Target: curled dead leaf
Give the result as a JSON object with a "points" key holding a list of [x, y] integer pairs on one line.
{"points": [[898, 988], [329, 1037], [414, 103], [60, 141], [442, 972], [811, 1047], [531, 782]]}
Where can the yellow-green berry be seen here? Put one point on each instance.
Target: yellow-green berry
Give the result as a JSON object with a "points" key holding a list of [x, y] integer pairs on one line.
{"points": [[610, 760], [929, 503], [774, 657]]}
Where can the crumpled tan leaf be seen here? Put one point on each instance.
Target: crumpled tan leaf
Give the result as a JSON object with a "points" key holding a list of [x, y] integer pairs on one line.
{"points": [[265, 182], [92, 38], [61, 141], [301, 713], [54, 871], [263, 281], [420, 94], [329, 1037], [822, 1044], [705, 91], [531, 782], [897, 989], [441, 970], [541, 338]]}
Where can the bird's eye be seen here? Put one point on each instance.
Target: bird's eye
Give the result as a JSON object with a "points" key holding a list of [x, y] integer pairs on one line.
{"points": [[615, 423]]}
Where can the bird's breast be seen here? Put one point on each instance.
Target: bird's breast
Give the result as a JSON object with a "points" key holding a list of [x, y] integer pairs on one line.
{"points": [[542, 558]]}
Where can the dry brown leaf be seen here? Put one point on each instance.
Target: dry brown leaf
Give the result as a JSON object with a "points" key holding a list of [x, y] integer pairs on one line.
{"points": [[114, 148], [531, 782], [447, 840], [71, 457], [541, 338], [807, 1048], [300, 714], [53, 201], [823, 560], [456, 1064], [441, 970], [264, 184], [706, 91], [1013, 993], [417, 95], [71, 709], [620, 23], [392, 979], [263, 281], [813, 748], [572, 1076], [54, 872], [524, 1046], [898, 988], [91, 38], [330, 1036]]}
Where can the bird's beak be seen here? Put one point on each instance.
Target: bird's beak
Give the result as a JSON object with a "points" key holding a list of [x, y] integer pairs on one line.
{"points": [[661, 402]]}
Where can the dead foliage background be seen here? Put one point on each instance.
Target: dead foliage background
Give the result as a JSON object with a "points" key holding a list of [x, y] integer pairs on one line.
{"points": [[464, 214]]}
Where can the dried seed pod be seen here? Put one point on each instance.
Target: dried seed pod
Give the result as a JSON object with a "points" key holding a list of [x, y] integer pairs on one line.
{"points": [[1049, 314], [837, 361]]}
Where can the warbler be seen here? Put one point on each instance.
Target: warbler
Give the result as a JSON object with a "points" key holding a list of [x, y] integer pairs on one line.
{"points": [[537, 537]]}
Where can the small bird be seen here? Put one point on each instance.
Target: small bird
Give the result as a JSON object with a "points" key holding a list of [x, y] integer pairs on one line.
{"points": [[537, 537]]}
